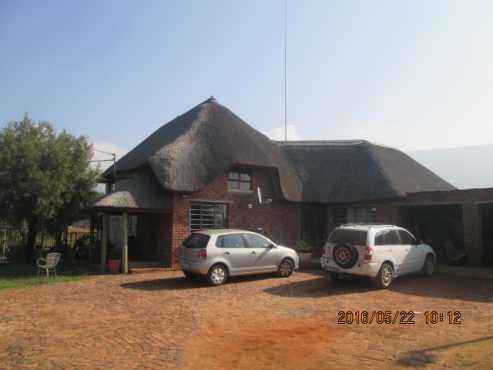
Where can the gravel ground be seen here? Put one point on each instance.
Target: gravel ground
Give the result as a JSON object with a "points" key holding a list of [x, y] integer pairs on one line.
{"points": [[163, 320]]}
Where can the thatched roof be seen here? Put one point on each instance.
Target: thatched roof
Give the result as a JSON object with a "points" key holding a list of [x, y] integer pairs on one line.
{"points": [[351, 171], [187, 153], [140, 191]]}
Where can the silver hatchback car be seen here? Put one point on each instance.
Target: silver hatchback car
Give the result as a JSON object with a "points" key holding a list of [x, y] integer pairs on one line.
{"points": [[220, 253]]}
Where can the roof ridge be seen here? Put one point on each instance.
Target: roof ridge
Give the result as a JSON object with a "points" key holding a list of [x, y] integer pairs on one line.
{"points": [[148, 139], [321, 142]]}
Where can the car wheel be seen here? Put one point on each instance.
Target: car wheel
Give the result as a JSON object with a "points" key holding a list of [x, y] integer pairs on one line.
{"points": [[429, 266], [217, 275], [286, 268], [385, 276]]}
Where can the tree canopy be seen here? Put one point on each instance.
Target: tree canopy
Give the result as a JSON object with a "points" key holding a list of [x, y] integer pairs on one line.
{"points": [[45, 178]]}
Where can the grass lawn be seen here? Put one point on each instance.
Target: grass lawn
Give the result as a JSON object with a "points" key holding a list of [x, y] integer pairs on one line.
{"points": [[18, 275]]}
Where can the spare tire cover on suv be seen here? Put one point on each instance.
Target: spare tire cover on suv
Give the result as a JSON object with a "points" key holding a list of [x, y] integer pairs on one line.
{"points": [[345, 255]]}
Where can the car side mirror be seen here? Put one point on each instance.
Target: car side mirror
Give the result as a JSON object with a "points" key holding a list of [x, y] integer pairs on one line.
{"points": [[419, 241], [271, 246]]}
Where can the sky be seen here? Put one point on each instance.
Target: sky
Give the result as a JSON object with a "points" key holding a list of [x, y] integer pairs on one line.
{"points": [[409, 74]]}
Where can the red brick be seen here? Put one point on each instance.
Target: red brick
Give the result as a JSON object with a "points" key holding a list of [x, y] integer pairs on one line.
{"points": [[280, 219]]}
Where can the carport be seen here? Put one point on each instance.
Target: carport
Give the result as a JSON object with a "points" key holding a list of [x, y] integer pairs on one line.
{"points": [[486, 215], [438, 225], [457, 223]]}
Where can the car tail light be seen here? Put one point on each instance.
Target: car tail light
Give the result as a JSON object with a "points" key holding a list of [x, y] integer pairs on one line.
{"points": [[202, 254], [368, 253]]}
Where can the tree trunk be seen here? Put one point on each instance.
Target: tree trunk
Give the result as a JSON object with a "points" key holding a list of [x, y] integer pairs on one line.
{"points": [[31, 239]]}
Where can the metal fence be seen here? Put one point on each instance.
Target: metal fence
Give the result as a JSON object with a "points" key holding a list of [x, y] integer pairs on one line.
{"points": [[13, 239]]}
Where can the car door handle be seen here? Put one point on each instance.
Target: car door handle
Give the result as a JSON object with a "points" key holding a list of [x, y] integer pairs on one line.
{"points": [[226, 253]]}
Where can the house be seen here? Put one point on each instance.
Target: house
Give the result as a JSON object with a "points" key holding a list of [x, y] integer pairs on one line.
{"points": [[208, 168]]}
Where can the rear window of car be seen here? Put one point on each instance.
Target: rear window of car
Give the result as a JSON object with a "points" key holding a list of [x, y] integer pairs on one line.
{"points": [[353, 237], [196, 241]]}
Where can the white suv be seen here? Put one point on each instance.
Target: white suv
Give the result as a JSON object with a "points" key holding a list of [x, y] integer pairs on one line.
{"points": [[380, 252]]}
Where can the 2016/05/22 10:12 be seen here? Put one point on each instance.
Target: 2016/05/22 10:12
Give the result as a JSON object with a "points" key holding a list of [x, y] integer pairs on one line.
{"points": [[397, 317]]}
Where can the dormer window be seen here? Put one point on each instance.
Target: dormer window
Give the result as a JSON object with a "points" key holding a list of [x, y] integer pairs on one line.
{"points": [[239, 181]]}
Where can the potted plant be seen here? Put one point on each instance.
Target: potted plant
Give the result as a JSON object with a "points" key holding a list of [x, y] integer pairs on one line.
{"points": [[114, 260], [304, 250]]}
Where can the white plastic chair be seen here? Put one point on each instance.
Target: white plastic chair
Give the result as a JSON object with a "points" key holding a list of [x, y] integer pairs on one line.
{"points": [[49, 263]]}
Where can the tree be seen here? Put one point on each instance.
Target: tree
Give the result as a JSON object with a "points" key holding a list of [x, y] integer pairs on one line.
{"points": [[45, 177]]}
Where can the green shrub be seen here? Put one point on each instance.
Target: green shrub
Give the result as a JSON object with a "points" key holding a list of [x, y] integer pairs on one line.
{"points": [[302, 246]]}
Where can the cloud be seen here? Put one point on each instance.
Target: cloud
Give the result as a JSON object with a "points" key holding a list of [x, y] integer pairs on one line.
{"points": [[277, 133], [109, 148]]}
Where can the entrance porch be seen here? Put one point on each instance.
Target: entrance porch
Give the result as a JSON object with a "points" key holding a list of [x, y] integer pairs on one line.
{"points": [[135, 220], [139, 240]]}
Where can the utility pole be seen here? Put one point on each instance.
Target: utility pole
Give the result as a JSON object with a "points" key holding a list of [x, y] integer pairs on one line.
{"points": [[285, 70]]}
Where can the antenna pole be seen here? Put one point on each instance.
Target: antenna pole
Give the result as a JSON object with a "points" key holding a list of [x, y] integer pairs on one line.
{"points": [[285, 69]]}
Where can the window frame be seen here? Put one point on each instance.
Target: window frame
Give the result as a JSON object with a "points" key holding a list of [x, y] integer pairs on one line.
{"points": [[220, 241], [411, 236], [355, 215], [239, 181], [398, 241], [380, 234], [385, 234], [246, 235], [192, 217]]}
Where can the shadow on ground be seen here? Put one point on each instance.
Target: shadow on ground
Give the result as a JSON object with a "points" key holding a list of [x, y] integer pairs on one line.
{"points": [[320, 286], [447, 287], [183, 283], [424, 357], [438, 286]]}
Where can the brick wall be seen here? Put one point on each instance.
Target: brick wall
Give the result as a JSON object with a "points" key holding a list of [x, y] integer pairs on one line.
{"points": [[280, 219], [472, 233], [388, 213]]}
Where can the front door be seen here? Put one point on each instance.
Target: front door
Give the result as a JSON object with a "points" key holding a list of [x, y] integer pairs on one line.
{"points": [[263, 256], [400, 252], [416, 255], [235, 251]]}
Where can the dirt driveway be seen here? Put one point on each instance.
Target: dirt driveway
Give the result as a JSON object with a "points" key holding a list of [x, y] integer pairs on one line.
{"points": [[165, 321]]}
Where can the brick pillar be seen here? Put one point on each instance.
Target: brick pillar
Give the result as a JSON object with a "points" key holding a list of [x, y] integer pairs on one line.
{"points": [[179, 227], [104, 242], [472, 233]]}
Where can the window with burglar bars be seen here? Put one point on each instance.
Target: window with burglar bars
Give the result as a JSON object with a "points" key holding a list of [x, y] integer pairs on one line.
{"points": [[205, 216], [355, 215], [361, 215]]}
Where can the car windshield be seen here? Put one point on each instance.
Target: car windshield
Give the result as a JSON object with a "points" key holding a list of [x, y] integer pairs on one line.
{"points": [[196, 241], [353, 237]]}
